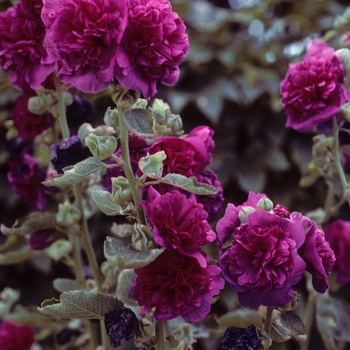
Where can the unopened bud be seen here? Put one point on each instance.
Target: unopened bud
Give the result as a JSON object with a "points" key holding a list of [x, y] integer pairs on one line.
{"points": [[265, 204], [121, 191], [123, 97], [68, 214], [244, 213], [111, 117], [174, 122], [101, 147], [152, 165], [41, 104], [344, 112]]}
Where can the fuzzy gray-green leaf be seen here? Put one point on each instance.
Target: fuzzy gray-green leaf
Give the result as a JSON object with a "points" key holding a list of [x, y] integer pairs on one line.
{"points": [[105, 202], [141, 121]]}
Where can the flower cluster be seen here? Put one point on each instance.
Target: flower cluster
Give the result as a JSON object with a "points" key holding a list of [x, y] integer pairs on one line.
{"points": [[313, 90], [180, 282], [265, 251], [136, 41]]}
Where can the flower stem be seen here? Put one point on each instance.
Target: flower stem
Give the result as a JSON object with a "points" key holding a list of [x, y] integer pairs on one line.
{"points": [[78, 264], [159, 335], [86, 241], [123, 130], [62, 117], [337, 160], [267, 324]]}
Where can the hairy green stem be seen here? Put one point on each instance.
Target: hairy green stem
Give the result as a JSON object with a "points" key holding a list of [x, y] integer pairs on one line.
{"points": [[62, 118], [86, 241], [159, 335], [123, 130], [268, 319], [337, 160], [308, 319]]}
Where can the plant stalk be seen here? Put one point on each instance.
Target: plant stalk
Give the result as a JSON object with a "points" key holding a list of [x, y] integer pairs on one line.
{"points": [[159, 335], [267, 324]]}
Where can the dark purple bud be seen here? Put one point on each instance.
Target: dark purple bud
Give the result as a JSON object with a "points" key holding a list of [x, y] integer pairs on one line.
{"points": [[65, 335], [120, 323], [240, 339], [68, 152], [40, 240], [79, 112]]}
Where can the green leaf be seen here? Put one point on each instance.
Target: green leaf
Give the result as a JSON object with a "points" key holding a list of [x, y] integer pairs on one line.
{"points": [[189, 184], [295, 324], [278, 333], [125, 280], [17, 256], [32, 222], [105, 202], [80, 304], [66, 284], [75, 174], [123, 230], [141, 122], [128, 258]]}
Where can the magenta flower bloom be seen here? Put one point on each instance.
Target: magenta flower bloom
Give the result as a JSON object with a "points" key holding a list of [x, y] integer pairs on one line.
{"points": [[316, 252], [178, 223], [29, 125], [263, 263], [230, 221], [338, 235], [313, 90], [14, 336], [176, 285], [22, 51], [205, 134], [153, 46], [84, 35], [25, 177]]}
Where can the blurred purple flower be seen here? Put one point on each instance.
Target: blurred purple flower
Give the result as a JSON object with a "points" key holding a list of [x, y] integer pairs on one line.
{"points": [[14, 336], [25, 177], [78, 112], [84, 35], [211, 203], [29, 125], [22, 51], [120, 323], [152, 48], [178, 223], [176, 285], [240, 339], [67, 152], [40, 240], [313, 90], [338, 235]]}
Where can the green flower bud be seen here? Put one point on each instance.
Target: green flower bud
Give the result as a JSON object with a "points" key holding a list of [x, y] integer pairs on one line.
{"points": [[152, 165], [344, 112], [142, 238], [41, 104], [265, 204], [101, 147], [244, 213], [68, 214], [121, 190], [123, 97], [111, 117], [174, 122]]}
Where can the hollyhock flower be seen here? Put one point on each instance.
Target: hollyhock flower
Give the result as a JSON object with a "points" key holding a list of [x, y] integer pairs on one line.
{"points": [[178, 223], [338, 235], [14, 336], [240, 339], [22, 51], [205, 134], [211, 203], [84, 35], [67, 152], [25, 177], [281, 211], [185, 156], [316, 252], [78, 112], [230, 221], [137, 149], [29, 125], [120, 323], [263, 263], [152, 48], [40, 240], [313, 90], [176, 285], [32, 8], [16, 145]]}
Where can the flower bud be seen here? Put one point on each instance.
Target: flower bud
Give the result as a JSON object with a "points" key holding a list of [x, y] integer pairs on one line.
{"points": [[344, 112], [68, 214], [123, 97], [174, 122], [111, 117], [102, 147], [121, 189], [142, 238], [244, 213], [41, 104], [84, 130], [152, 165], [265, 204]]}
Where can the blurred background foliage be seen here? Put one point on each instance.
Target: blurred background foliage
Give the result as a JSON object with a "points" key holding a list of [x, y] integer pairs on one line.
{"points": [[240, 51]]}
